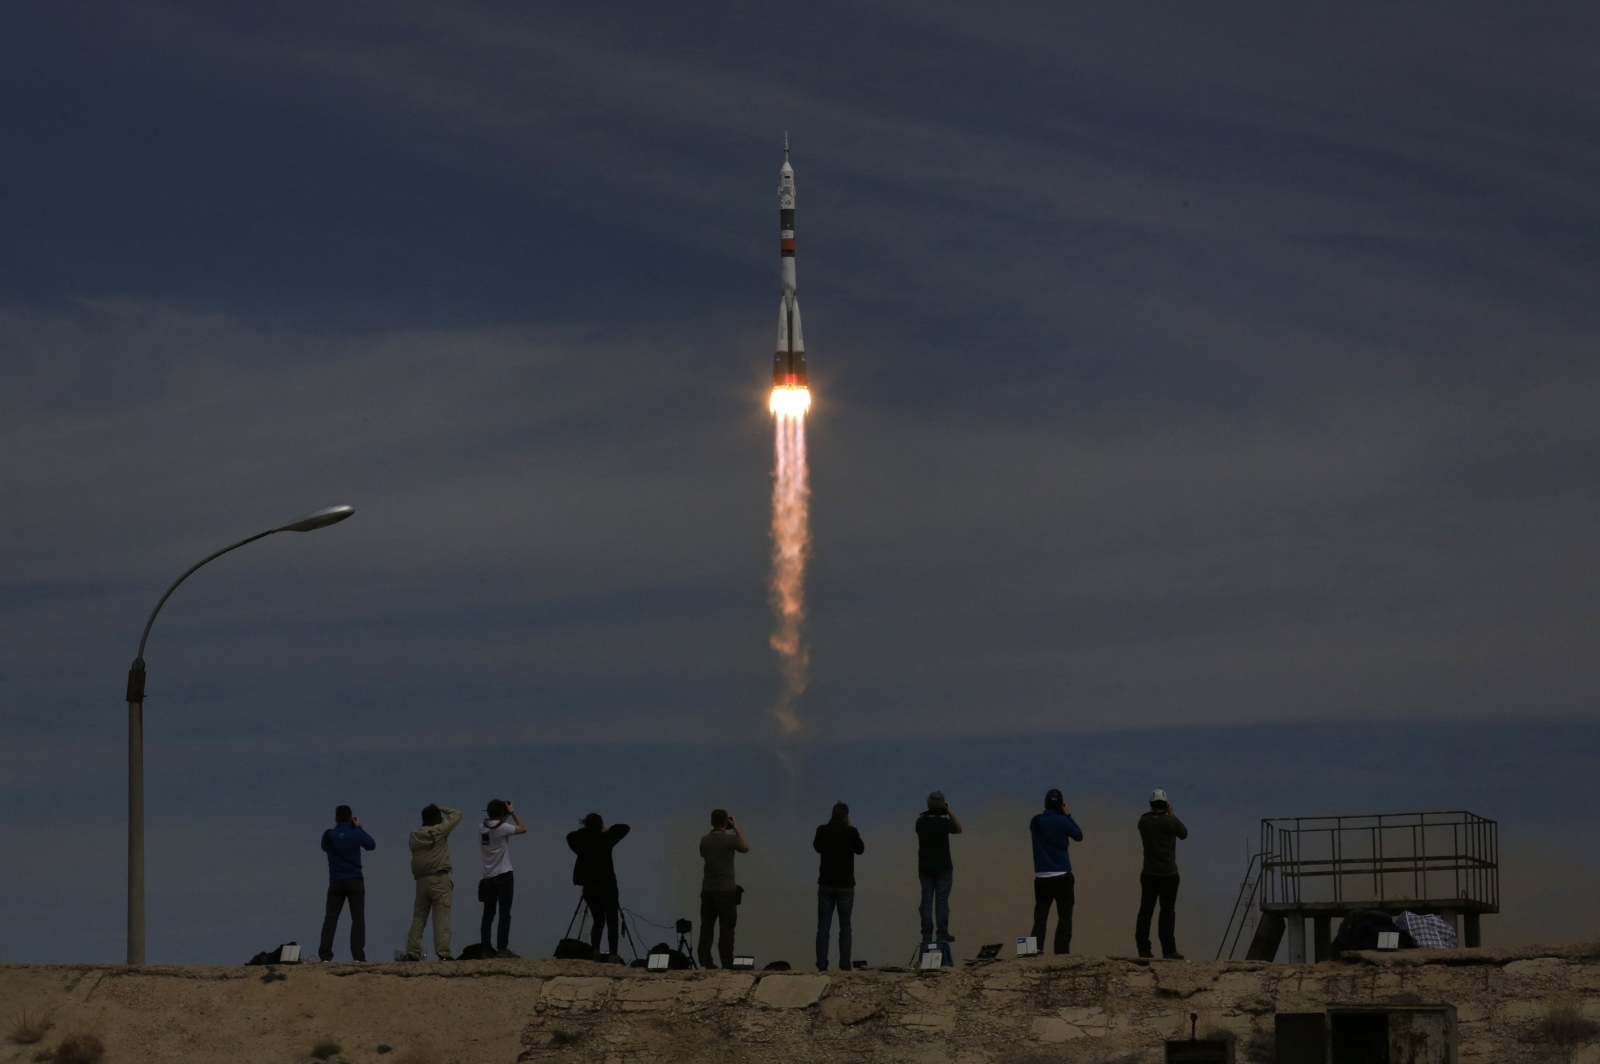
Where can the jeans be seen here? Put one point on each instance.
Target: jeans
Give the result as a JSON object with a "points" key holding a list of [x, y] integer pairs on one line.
{"points": [[1059, 891], [433, 896], [1151, 890], [718, 906], [340, 891], [935, 890], [603, 910], [828, 899], [496, 892]]}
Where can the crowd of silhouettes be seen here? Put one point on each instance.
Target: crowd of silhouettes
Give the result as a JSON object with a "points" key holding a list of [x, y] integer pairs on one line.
{"points": [[838, 843]]}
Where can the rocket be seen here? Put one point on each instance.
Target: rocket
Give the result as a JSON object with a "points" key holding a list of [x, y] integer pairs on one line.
{"points": [[789, 364]]}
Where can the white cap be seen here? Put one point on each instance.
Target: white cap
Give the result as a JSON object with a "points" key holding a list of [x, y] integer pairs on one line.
{"points": [[1158, 795]]}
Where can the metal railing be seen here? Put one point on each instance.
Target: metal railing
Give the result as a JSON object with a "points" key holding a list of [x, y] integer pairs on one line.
{"points": [[1447, 859]]}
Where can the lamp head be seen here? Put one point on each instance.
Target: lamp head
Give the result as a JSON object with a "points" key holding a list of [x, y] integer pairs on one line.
{"points": [[332, 515]]}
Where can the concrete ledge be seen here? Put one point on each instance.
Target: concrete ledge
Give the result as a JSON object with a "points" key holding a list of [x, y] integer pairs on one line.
{"points": [[1088, 1008]]}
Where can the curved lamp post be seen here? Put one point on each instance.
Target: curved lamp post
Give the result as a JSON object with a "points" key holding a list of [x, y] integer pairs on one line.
{"points": [[310, 522]]}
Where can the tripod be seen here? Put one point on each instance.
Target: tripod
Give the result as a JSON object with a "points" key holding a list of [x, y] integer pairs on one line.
{"points": [[580, 916]]}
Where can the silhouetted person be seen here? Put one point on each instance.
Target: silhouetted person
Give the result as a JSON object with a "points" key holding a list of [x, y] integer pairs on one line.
{"points": [[838, 843], [719, 890], [934, 870], [594, 872], [498, 884], [430, 867], [1160, 829], [343, 844], [1053, 883]]}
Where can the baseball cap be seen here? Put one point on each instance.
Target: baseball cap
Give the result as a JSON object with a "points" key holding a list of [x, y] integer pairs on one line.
{"points": [[1052, 797], [1158, 795], [935, 799]]}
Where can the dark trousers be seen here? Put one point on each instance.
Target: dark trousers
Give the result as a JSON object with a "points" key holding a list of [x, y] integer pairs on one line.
{"points": [[604, 906], [355, 892], [829, 899], [496, 893], [718, 906], [935, 901], [1165, 890], [1059, 891]]}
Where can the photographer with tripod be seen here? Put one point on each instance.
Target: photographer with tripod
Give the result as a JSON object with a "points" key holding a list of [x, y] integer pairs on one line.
{"points": [[595, 873]]}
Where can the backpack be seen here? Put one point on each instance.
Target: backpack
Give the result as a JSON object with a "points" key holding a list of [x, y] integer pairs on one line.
{"points": [[574, 949]]}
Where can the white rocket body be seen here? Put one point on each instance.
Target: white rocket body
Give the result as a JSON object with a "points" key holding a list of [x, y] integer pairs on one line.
{"points": [[789, 364]]}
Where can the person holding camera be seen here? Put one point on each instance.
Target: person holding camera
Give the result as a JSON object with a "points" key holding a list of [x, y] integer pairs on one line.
{"points": [[343, 844], [1159, 830], [495, 888], [719, 890], [934, 869], [838, 842], [430, 867], [595, 873], [1053, 882]]}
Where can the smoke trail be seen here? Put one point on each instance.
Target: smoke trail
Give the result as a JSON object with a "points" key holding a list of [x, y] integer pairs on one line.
{"points": [[791, 545]]}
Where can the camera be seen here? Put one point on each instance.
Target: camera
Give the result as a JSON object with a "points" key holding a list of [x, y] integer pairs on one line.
{"points": [[684, 927]]}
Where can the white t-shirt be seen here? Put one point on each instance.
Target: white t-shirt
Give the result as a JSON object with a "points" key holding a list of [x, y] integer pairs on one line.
{"points": [[494, 838]]}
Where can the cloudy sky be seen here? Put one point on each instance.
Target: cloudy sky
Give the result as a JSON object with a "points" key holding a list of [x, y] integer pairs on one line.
{"points": [[1224, 373]]}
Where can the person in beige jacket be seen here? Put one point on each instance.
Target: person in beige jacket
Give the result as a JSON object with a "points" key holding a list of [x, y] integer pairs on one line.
{"points": [[430, 867]]}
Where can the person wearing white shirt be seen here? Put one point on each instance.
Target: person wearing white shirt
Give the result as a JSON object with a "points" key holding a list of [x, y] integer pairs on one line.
{"points": [[495, 888]]}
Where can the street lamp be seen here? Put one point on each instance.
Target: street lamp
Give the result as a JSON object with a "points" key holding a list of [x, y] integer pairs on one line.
{"points": [[309, 523]]}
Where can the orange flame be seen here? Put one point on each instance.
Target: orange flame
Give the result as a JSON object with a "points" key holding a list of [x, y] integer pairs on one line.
{"points": [[791, 547]]}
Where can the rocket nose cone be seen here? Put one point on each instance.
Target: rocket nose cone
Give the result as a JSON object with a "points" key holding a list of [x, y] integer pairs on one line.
{"points": [[786, 168]]}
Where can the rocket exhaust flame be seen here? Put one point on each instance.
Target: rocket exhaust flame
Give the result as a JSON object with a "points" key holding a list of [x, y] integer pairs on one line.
{"points": [[791, 547]]}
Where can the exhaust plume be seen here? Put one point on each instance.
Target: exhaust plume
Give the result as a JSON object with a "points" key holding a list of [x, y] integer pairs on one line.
{"points": [[791, 546]]}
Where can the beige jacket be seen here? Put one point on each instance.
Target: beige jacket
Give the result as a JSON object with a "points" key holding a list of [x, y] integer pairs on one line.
{"points": [[430, 845]]}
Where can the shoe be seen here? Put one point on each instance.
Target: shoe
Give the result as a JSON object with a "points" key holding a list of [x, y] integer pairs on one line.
{"points": [[411, 958], [947, 938], [1173, 956], [446, 957], [1146, 954], [505, 953]]}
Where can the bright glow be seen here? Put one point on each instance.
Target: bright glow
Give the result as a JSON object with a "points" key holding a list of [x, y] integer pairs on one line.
{"points": [[791, 547], [790, 402]]}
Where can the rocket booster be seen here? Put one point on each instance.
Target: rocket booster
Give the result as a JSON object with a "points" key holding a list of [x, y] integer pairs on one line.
{"points": [[789, 364]]}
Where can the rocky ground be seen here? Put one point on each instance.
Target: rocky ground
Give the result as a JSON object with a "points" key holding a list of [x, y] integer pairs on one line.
{"points": [[1512, 1006]]}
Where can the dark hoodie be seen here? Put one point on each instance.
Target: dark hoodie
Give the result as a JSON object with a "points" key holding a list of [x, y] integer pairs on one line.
{"points": [[593, 867], [1161, 832], [838, 843]]}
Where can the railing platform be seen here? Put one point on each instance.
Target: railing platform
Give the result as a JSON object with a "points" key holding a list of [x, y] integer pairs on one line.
{"points": [[1318, 868]]}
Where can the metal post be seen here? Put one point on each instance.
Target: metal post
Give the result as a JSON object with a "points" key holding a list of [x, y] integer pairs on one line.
{"points": [[1297, 938], [136, 813], [1471, 931], [1321, 941]]}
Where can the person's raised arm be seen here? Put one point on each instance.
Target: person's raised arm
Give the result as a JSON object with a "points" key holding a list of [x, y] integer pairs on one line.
{"points": [[1177, 825], [1074, 832], [325, 839], [452, 817], [367, 841], [816, 840], [861, 847], [954, 820], [742, 846], [617, 832], [522, 829]]}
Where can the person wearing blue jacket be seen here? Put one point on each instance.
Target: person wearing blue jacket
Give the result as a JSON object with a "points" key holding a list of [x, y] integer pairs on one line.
{"points": [[343, 844], [1053, 883]]}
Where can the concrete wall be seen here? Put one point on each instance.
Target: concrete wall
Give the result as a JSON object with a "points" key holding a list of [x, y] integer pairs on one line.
{"points": [[1531, 1005]]}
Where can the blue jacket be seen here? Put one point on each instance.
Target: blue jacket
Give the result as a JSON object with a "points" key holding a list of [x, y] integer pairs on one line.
{"points": [[1051, 830], [343, 844]]}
